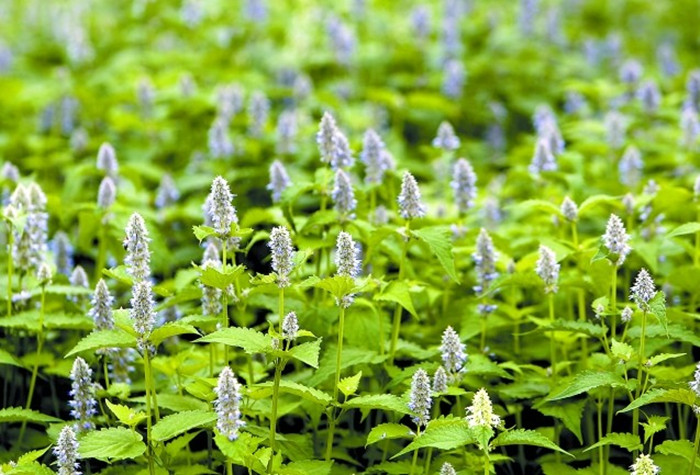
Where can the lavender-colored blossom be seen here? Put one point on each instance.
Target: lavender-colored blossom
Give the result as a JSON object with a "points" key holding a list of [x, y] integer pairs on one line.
{"points": [[191, 12], [44, 274], [279, 180], [343, 195], [142, 313], [286, 132], [121, 364], [575, 102], [463, 185], [454, 76], [256, 10], [138, 254], [485, 257], [79, 278], [616, 239], [453, 352], [630, 72], [326, 137], [420, 398], [668, 60], [280, 245], [643, 290], [690, 127], [569, 209], [547, 128], [107, 160], [529, 11], [31, 244], [146, 95], [66, 452], [342, 40], [440, 380], [342, 156], [211, 296], [548, 269], [258, 110], [630, 166], [371, 156], [695, 383], [543, 160], [107, 193], [692, 86], [420, 20], [83, 403], [63, 253], [101, 310], [167, 193], [446, 138], [227, 404], [626, 315], [410, 205], [290, 326], [220, 145], [347, 256], [649, 96], [616, 127], [9, 172], [229, 101], [219, 206]]}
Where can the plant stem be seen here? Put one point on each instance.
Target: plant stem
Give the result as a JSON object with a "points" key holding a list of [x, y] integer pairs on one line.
{"points": [[35, 370], [396, 326], [414, 462], [640, 369], [281, 307], [229, 468], [10, 268], [601, 468], [339, 352], [147, 376], [695, 448], [552, 348], [101, 248], [273, 416], [613, 303], [487, 462]]}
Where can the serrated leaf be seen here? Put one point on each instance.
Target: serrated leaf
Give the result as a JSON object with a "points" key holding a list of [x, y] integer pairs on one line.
{"points": [[570, 414], [348, 386], [218, 278], [241, 451], [17, 414], [681, 448], [627, 441], [388, 431], [7, 358], [264, 390], [175, 424], [383, 402], [307, 467], [338, 286], [678, 395], [584, 382], [125, 414], [683, 229], [171, 329], [574, 326], [653, 425], [104, 339], [439, 240], [441, 436], [621, 351], [116, 443], [252, 341], [203, 232], [307, 352], [31, 456], [526, 437], [658, 309], [398, 292], [656, 359]]}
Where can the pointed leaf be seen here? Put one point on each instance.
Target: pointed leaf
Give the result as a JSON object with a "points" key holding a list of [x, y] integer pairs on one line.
{"points": [[116, 443], [388, 431], [526, 437], [439, 240], [103, 339], [175, 424], [627, 441], [252, 341], [584, 382]]}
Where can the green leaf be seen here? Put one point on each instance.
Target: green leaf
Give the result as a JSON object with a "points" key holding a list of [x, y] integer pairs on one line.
{"points": [[526, 437], [683, 229], [17, 414], [439, 240], [125, 414], [220, 279], [681, 448], [678, 395], [252, 341], [241, 451], [103, 339], [570, 413], [584, 382], [203, 232], [658, 309], [388, 431], [349, 385], [338, 286], [307, 352], [398, 292], [307, 467], [482, 435], [316, 396], [627, 441], [621, 351], [116, 443], [7, 358], [175, 424], [171, 329], [382, 402], [656, 359], [653, 425], [444, 436]]}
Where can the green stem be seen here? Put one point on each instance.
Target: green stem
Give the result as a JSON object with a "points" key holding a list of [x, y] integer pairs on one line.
{"points": [[483, 332], [224, 250], [414, 462], [10, 268], [396, 326], [582, 318], [552, 347], [601, 454], [102, 248], [640, 369], [229, 467], [339, 352], [35, 369], [273, 416], [487, 462], [695, 448], [613, 303], [281, 308], [149, 411]]}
